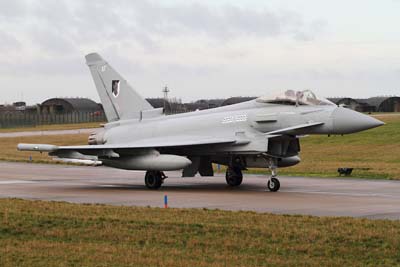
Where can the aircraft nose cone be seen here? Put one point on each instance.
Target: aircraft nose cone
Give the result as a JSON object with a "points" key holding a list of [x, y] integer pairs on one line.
{"points": [[349, 121]]}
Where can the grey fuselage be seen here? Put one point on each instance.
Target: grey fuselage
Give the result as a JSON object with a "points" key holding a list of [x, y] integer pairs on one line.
{"points": [[248, 123]]}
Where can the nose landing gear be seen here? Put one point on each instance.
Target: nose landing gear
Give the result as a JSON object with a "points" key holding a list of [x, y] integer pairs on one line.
{"points": [[273, 183]]}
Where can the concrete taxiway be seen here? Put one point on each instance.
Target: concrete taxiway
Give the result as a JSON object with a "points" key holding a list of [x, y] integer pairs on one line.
{"points": [[375, 199]]}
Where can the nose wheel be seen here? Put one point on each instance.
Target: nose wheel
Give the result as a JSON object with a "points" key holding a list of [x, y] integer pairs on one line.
{"points": [[273, 184]]}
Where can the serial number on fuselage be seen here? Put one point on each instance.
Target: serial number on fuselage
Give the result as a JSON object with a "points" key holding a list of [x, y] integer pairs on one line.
{"points": [[233, 119]]}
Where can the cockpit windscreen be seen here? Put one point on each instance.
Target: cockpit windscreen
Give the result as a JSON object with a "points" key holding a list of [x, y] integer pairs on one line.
{"points": [[291, 97]]}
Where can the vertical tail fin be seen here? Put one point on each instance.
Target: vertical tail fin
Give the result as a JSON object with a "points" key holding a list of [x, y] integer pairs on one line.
{"points": [[120, 101]]}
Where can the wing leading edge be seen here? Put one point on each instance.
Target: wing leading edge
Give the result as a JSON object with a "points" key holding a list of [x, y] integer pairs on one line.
{"points": [[176, 141]]}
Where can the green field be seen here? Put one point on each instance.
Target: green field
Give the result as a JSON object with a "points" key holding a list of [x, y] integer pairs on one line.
{"points": [[374, 153], [9, 146], [52, 127], [36, 233]]}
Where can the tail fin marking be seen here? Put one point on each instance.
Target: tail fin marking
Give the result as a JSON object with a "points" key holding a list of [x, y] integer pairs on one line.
{"points": [[120, 101]]}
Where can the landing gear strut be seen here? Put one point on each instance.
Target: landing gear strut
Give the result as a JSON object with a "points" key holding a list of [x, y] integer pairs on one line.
{"points": [[273, 183], [154, 179], [234, 176]]}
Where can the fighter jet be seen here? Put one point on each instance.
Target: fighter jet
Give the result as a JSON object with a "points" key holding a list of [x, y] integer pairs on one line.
{"points": [[261, 133]]}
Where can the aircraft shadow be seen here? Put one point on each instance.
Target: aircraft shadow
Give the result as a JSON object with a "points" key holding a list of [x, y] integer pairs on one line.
{"points": [[206, 187]]}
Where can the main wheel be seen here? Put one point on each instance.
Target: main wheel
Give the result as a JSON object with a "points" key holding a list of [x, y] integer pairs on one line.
{"points": [[153, 179], [234, 176], [274, 185]]}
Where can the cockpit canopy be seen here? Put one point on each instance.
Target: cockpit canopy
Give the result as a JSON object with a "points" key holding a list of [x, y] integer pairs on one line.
{"points": [[291, 97]]}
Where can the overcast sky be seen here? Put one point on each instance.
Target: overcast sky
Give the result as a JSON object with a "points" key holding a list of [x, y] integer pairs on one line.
{"points": [[201, 49]]}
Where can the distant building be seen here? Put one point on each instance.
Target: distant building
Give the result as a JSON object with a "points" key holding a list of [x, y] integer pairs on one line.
{"points": [[16, 107], [353, 104], [347, 102], [7, 109], [373, 104], [69, 105], [19, 105], [383, 104]]}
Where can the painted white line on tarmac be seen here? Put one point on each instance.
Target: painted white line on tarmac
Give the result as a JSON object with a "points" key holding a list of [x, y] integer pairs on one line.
{"points": [[108, 185], [343, 193], [16, 182]]}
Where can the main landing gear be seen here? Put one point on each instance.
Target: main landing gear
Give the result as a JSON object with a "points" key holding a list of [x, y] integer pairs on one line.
{"points": [[154, 179], [234, 176], [273, 183]]}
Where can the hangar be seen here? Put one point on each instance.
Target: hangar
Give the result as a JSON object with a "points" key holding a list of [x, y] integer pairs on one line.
{"points": [[373, 104], [383, 104], [347, 101], [69, 105], [355, 104]]}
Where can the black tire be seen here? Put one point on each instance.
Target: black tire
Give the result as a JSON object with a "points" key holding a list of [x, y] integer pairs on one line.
{"points": [[153, 180], [234, 176], [274, 185]]}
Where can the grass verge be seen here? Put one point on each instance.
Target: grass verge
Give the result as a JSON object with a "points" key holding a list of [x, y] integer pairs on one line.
{"points": [[52, 127], [9, 146], [37, 233]]}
